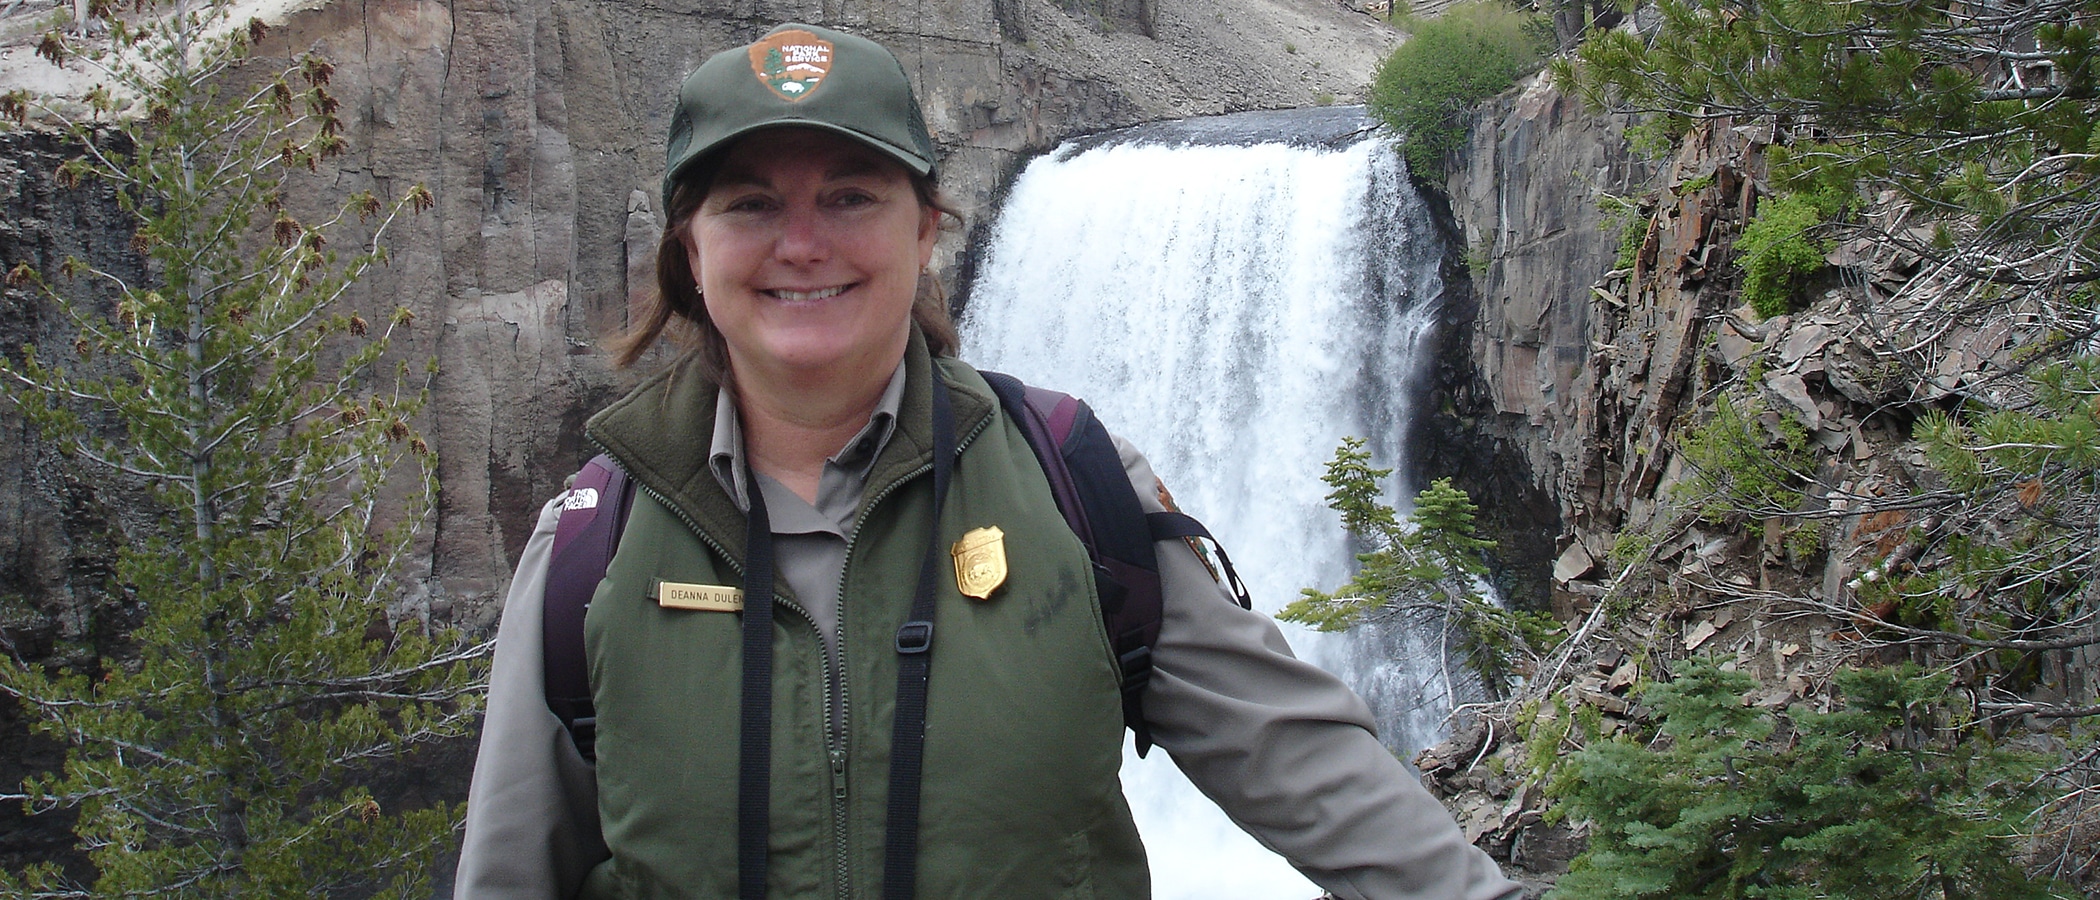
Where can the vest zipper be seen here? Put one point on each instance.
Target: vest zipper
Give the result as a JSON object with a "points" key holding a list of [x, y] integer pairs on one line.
{"points": [[842, 873], [838, 759]]}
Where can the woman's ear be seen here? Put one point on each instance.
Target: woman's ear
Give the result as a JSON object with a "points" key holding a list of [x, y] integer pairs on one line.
{"points": [[929, 233], [692, 255]]}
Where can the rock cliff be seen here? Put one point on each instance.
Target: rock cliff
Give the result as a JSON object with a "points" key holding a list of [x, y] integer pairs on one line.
{"points": [[1519, 411], [1617, 384]]}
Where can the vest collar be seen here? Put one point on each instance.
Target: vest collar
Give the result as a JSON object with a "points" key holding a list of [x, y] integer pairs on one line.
{"points": [[661, 433]]}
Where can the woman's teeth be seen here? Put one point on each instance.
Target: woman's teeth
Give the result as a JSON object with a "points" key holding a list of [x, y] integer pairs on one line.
{"points": [[798, 296]]}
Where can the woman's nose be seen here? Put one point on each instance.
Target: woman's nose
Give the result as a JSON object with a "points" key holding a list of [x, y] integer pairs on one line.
{"points": [[802, 237]]}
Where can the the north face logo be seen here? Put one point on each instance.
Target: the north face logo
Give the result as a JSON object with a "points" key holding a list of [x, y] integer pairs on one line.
{"points": [[791, 63]]}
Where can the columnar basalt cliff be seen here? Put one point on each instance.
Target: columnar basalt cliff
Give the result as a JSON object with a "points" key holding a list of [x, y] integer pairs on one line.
{"points": [[1518, 408]]}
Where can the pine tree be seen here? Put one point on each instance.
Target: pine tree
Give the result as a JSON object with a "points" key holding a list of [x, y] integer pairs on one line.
{"points": [[233, 749], [1429, 562]]}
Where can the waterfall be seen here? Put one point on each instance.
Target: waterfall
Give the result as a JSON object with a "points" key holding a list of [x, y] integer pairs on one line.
{"points": [[1233, 296]]}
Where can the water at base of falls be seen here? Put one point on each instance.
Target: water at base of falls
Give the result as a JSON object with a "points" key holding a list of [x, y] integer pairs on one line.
{"points": [[1233, 311]]}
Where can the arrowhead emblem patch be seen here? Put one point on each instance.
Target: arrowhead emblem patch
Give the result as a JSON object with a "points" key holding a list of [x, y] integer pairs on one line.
{"points": [[791, 63]]}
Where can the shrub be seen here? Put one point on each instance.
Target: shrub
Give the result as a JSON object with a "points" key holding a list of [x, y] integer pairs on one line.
{"points": [[1470, 53], [1744, 461], [1883, 798], [1778, 253]]}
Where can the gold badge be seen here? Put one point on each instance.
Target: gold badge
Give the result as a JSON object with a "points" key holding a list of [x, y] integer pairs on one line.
{"points": [[980, 562], [792, 63], [702, 597]]}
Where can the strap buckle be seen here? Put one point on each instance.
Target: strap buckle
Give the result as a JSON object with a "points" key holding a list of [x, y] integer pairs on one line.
{"points": [[1137, 669], [915, 636]]}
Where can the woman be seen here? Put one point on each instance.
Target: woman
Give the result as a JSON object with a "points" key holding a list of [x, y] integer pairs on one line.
{"points": [[805, 471]]}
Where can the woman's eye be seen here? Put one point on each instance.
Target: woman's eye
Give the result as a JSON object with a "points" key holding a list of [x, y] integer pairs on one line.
{"points": [[853, 198]]}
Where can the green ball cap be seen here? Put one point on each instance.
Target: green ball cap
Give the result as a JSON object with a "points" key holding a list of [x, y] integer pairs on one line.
{"points": [[798, 75]]}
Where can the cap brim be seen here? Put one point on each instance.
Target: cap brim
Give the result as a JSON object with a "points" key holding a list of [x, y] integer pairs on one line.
{"points": [[910, 161]]}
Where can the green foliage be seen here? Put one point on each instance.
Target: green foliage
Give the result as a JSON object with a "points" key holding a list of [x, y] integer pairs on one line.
{"points": [[1473, 51], [1964, 133], [1745, 459], [1430, 561], [1936, 104], [1887, 797], [1629, 217], [1480, 260], [2035, 472], [234, 750], [1779, 251]]}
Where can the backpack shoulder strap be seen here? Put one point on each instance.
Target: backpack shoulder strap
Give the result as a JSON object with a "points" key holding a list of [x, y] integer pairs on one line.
{"points": [[1096, 498], [584, 540]]}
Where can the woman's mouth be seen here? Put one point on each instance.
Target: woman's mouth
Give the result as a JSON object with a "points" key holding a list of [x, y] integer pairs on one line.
{"points": [[805, 296]]}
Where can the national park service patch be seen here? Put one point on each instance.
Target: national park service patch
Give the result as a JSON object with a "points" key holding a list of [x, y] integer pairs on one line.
{"points": [[791, 63]]}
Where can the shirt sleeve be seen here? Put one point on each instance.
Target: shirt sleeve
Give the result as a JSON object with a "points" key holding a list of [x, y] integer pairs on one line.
{"points": [[1288, 751], [532, 809]]}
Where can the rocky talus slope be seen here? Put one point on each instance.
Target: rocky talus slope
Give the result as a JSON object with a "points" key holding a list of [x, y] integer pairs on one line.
{"points": [[1596, 357]]}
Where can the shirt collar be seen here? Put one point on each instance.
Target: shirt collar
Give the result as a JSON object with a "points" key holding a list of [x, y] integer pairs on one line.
{"points": [[726, 454]]}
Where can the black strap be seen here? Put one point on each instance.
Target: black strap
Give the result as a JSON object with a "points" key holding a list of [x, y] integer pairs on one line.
{"points": [[755, 749], [900, 857], [1170, 525], [1093, 492], [908, 741]]}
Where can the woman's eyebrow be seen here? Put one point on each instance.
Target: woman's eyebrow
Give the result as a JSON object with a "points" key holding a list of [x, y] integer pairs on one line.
{"points": [[848, 168], [854, 167], [735, 178]]}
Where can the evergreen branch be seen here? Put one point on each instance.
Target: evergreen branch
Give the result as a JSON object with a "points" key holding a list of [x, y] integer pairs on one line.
{"points": [[73, 894], [359, 683], [163, 475], [1946, 637], [10, 688], [325, 698], [49, 802], [454, 726]]}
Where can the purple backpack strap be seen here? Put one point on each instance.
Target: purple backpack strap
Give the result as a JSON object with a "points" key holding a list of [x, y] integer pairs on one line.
{"points": [[1096, 498], [588, 532]]}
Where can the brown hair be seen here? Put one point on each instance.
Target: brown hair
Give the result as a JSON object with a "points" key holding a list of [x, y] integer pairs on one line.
{"points": [[677, 312]]}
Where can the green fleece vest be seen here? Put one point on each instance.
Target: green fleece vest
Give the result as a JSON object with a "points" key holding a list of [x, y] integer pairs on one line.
{"points": [[1024, 720]]}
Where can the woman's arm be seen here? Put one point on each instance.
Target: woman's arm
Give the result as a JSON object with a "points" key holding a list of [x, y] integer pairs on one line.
{"points": [[532, 813], [1289, 751]]}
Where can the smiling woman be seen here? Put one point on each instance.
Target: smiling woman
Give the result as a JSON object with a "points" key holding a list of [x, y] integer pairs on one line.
{"points": [[818, 452], [808, 249]]}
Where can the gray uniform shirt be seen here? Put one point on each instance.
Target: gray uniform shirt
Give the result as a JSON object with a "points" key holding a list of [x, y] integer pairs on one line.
{"points": [[1285, 748]]}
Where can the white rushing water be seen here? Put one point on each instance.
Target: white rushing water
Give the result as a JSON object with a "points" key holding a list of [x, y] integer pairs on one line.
{"points": [[1233, 311]]}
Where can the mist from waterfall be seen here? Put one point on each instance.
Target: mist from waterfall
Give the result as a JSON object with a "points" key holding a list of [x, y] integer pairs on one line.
{"points": [[1234, 311]]}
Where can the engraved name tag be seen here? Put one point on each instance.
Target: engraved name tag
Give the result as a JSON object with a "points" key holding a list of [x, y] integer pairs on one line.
{"points": [[703, 597]]}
